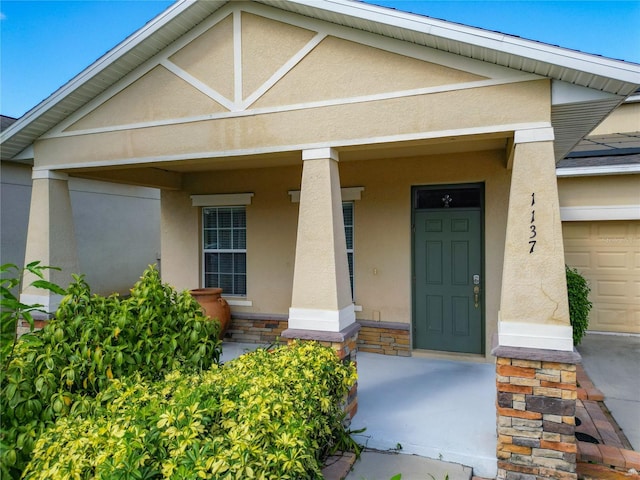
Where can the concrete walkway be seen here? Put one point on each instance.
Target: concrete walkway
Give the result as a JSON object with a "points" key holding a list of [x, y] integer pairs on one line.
{"points": [[384, 466], [613, 364]]}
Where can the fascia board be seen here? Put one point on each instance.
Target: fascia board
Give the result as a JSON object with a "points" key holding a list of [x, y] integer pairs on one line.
{"points": [[598, 170], [98, 66], [566, 58]]}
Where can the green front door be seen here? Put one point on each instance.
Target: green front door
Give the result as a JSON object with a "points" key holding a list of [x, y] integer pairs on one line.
{"points": [[448, 287]]}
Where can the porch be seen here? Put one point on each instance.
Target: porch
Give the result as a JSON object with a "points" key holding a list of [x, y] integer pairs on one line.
{"points": [[441, 409], [445, 409]]}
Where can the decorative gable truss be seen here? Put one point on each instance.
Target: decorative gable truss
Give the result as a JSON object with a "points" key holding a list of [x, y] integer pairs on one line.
{"points": [[249, 59]]}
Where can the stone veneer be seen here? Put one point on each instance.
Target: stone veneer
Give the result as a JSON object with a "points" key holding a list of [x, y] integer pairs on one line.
{"points": [[345, 345], [263, 329], [386, 338], [536, 405]]}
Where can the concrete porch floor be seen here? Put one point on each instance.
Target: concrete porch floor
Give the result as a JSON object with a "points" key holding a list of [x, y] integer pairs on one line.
{"points": [[445, 409], [440, 409]]}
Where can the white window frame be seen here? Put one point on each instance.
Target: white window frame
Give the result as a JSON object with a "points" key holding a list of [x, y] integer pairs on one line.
{"points": [[224, 200]]}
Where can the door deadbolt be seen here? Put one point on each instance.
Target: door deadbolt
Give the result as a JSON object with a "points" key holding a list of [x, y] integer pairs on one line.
{"points": [[476, 290]]}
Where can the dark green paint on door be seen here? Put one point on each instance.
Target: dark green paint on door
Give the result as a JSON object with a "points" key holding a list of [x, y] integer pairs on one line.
{"points": [[447, 255]]}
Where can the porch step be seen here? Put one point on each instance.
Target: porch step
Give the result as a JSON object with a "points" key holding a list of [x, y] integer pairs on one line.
{"points": [[378, 465], [592, 471]]}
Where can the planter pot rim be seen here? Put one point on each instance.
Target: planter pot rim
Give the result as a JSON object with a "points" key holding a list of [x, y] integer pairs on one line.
{"points": [[201, 291]]}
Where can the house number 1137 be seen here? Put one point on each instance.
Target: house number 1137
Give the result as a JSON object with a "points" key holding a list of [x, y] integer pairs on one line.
{"points": [[532, 225]]}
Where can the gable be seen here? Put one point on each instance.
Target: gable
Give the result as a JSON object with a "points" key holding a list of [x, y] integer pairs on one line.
{"points": [[157, 95], [239, 61], [338, 68]]}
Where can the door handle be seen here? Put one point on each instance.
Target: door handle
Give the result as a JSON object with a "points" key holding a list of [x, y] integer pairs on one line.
{"points": [[476, 290]]}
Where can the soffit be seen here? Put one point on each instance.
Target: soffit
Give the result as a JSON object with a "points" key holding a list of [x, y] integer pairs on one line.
{"points": [[616, 77]]}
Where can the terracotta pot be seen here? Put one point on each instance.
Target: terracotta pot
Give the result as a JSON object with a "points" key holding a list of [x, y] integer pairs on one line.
{"points": [[214, 306]]}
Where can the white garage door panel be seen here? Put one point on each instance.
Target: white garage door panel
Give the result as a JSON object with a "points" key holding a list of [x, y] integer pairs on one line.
{"points": [[608, 255]]}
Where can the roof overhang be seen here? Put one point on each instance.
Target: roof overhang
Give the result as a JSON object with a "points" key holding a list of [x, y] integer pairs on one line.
{"points": [[613, 79]]}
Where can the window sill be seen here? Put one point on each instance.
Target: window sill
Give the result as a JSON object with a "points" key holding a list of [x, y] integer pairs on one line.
{"points": [[238, 301]]}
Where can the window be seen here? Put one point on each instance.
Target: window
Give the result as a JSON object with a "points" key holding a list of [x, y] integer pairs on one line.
{"points": [[347, 213], [224, 241]]}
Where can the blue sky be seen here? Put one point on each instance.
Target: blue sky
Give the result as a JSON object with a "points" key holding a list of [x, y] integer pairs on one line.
{"points": [[44, 44]]}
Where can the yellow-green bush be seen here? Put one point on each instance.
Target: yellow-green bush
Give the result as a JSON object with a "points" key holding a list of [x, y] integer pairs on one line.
{"points": [[270, 414], [92, 340]]}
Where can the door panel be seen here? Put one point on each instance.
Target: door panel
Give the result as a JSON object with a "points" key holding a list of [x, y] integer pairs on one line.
{"points": [[448, 253]]}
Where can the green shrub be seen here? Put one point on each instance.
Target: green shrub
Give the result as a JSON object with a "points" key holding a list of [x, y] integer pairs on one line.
{"points": [[92, 340], [268, 414], [12, 310], [579, 304]]}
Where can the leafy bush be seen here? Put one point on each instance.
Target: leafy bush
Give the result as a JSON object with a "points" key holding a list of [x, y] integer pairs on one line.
{"points": [[13, 310], [92, 340], [579, 304], [268, 414]]}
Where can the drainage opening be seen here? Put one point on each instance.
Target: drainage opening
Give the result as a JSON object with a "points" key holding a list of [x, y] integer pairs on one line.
{"points": [[585, 437], [578, 422]]}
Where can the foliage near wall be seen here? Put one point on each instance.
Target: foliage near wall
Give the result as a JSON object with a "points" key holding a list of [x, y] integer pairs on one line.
{"points": [[268, 414], [579, 304], [56, 372]]}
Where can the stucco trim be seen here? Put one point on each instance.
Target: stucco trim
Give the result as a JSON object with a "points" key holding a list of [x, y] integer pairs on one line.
{"points": [[237, 57], [501, 128], [48, 175], [320, 319], [544, 134], [320, 154], [349, 194], [600, 212], [221, 200], [195, 83], [533, 335], [58, 133], [283, 70], [237, 302]]}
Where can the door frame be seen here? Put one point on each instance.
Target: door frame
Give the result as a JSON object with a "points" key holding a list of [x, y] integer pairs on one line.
{"points": [[441, 186]]}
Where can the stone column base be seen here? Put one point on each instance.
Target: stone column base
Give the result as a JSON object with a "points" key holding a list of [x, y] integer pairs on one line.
{"points": [[536, 405], [345, 345]]}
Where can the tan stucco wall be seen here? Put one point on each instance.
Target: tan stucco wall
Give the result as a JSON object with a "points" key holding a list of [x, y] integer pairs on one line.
{"points": [[382, 233], [480, 107], [599, 191], [535, 290], [383, 227], [266, 46], [209, 57], [338, 68], [624, 119], [179, 240], [173, 98]]}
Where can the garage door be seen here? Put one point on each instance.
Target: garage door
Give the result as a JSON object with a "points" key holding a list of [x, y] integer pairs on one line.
{"points": [[607, 253]]}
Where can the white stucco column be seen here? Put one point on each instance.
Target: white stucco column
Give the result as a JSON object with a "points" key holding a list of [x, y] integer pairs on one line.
{"points": [[51, 236], [321, 298], [534, 311]]}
